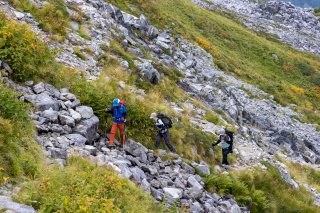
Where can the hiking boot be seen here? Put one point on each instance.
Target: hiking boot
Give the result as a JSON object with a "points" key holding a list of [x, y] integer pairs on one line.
{"points": [[111, 146]]}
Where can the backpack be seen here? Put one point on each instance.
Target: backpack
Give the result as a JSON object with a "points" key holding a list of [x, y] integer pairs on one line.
{"points": [[119, 111], [165, 119], [230, 134], [123, 103]]}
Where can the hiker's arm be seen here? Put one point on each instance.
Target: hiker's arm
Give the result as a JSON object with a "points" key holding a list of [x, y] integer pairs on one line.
{"points": [[109, 110], [218, 141]]}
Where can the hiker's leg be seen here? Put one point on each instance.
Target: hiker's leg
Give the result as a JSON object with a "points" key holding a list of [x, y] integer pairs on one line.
{"points": [[122, 133], [158, 140], [225, 156], [167, 140], [113, 132]]}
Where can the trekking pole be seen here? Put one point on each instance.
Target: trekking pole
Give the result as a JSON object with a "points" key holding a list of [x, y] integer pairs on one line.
{"points": [[107, 127], [125, 137]]}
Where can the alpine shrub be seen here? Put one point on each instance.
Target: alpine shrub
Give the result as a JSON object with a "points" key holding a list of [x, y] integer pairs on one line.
{"points": [[22, 50]]}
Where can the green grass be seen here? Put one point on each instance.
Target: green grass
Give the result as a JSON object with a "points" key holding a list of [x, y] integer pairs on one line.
{"points": [[53, 17], [304, 174], [22, 50], [213, 118], [317, 11], [238, 50], [79, 54], [84, 187], [20, 155], [262, 191]]}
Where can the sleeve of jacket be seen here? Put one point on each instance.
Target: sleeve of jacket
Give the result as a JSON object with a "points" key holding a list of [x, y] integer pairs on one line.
{"points": [[218, 141]]}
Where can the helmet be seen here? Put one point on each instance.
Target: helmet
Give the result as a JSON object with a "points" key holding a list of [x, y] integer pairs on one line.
{"points": [[116, 102], [221, 131], [153, 115]]}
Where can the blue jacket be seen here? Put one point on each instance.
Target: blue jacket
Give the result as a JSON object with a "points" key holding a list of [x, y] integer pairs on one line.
{"points": [[119, 114]]}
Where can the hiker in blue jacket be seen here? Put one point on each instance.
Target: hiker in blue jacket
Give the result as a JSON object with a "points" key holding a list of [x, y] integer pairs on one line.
{"points": [[226, 144]]}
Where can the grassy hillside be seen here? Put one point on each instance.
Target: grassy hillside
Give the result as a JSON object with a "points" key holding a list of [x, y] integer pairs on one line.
{"points": [[293, 79], [84, 187]]}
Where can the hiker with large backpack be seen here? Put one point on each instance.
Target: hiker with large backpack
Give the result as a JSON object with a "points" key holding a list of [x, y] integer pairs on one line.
{"points": [[119, 113], [163, 123], [226, 139]]}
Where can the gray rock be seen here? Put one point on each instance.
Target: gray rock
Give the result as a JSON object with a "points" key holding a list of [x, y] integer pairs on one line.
{"points": [[196, 208], [77, 139], [157, 194], [192, 181], [173, 192], [19, 15], [85, 112], [138, 174], [145, 185], [91, 149], [137, 150], [88, 128], [39, 88], [75, 115], [147, 71], [235, 209], [152, 32], [188, 168], [203, 168], [226, 204], [51, 115], [209, 208], [7, 203], [44, 102], [58, 153], [155, 183], [67, 120], [178, 183], [125, 171], [67, 96]]}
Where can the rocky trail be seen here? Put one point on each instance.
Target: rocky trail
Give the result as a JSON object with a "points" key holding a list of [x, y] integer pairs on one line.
{"points": [[66, 128], [296, 26]]}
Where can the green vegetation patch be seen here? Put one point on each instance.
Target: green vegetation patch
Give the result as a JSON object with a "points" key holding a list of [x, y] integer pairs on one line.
{"points": [[262, 190], [84, 187], [19, 152], [53, 17], [22, 50]]}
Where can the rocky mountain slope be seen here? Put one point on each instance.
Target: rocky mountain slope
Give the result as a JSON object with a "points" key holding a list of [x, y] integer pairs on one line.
{"points": [[296, 26], [265, 128]]}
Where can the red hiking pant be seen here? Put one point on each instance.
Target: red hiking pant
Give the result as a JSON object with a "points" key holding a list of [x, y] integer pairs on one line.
{"points": [[113, 132]]}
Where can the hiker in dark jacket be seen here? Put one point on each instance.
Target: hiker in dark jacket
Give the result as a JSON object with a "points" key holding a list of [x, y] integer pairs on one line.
{"points": [[119, 113], [163, 132], [226, 142]]}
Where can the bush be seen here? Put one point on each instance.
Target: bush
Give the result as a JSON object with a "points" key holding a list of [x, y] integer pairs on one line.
{"points": [[304, 68], [19, 153], [22, 50], [297, 90], [262, 191], [84, 187]]}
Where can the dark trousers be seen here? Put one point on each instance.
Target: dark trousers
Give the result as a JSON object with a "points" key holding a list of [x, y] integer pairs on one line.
{"points": [[166, 138], [225, 153]]}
